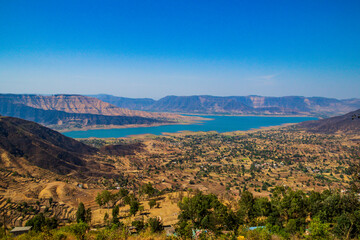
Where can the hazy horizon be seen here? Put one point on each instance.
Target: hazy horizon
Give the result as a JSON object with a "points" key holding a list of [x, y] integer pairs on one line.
{"points": [[143, 49], [144, 97]]}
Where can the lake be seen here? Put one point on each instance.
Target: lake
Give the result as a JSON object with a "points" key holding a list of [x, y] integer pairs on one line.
{"points": [[219, 123]]}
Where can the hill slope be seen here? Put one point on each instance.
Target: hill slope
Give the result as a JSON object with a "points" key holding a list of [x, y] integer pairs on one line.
{"points": [[42, 147], [292, 105], [348, 123]]}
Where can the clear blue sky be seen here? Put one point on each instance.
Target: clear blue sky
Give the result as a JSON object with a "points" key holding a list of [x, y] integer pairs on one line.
{"points": [[158, 48]]}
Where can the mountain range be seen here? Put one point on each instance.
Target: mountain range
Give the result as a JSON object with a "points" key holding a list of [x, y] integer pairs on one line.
{"points": [[238, 105], [77, 111], [71, 112]]}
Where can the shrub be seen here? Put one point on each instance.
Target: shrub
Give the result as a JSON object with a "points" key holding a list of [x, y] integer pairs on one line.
{"points": [[79, 230], [155, 225], [152, 203], [139, 225]]}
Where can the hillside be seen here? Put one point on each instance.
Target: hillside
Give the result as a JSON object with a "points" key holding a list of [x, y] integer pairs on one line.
{"points": [[38, 164], [348, 123], [43, 168], [257, 105], [41, 146]]}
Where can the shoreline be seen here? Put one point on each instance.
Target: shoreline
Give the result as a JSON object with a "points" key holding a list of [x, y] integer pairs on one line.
{"points": [[188, 132], [246, 115], [99, 127], [194, 132]]}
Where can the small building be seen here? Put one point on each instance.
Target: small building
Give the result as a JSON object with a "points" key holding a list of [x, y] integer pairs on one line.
{"points": [[20, 230]]}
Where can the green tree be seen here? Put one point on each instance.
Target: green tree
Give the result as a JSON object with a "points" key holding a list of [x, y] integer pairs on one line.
{"points": [[134, 207], [148, 189], [106, 218], [115, 215], [152, 203], [205, 212], [79, 230], [318, 229], [104, 198], [122, 195], [123, 192], [88, 215], [81, 213], [246, 206], [39, 222]]}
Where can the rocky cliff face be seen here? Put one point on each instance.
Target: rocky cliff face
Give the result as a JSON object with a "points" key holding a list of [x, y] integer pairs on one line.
{"points": [[75, 111], [60, 120], [76, 104]]}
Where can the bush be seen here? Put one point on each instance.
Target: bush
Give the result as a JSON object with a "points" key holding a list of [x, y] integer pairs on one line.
{"points": [[59, 236], [318, 229], [79, 230], [139, 225], [39, 222], [155, 225], [258, 234], [152, 203]]}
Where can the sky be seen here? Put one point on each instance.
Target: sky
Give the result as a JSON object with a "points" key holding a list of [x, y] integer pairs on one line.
{"points": [[180, 47]]}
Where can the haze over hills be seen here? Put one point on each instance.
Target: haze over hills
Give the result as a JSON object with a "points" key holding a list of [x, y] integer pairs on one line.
{"points": [[242, 105], [123, 102], [76, 111]]}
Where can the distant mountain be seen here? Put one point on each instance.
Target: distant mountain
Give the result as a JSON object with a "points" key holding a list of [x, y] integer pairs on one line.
{"points": [[257, 105], [122, 102], [60, 120], [348, 123], [42, 147], [74, 104], [76, 111]]}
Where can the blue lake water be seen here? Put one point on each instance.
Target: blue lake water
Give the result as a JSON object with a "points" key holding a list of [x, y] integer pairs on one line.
{"points": [[219, 124]]}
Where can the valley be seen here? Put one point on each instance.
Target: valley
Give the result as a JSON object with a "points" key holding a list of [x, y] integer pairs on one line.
{"points": [[225, 164]]}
